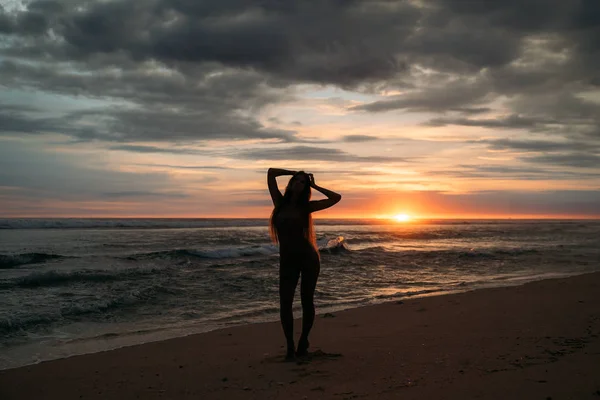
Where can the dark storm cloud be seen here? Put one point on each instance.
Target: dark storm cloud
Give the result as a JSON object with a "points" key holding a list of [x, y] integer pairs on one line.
{"points": [[23, 119], [572, 154], [559, 57], [530, 16], [174, 107], [149, 83], [198, 167], [190, 103], [6, 22], [17, 108], [339, 42], [313, 153], [471, 110], [56, 175], [142, 194], [324, 42], [521, 173], [581, 160], [537, 145], [160, 124], [511, 121], [434, 99], [560, 113], [153, 149], [220, 62]]}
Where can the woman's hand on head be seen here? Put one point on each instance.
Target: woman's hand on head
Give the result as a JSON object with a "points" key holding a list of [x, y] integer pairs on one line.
{"points": [[311, 180]]}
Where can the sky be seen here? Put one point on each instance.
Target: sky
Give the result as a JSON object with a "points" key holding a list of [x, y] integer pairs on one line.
{"points": [[177, 108]]}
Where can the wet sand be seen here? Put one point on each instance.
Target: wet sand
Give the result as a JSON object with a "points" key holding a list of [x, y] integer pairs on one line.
{"points": [[536, 341]]}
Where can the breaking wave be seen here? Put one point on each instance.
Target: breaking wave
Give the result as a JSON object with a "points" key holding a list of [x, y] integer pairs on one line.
{"points": [[55, 278], [27, 322], [14, 260]]}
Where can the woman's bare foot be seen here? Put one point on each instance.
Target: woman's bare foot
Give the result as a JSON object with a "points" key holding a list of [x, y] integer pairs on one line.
{"points": [[290, 355], [302, 348]]}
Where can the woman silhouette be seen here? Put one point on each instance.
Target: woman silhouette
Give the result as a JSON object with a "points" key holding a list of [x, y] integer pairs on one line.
{"points": [[291, 227]]}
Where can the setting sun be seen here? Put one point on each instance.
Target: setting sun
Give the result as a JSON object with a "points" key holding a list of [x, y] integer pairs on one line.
{"points": [[402, 217]]}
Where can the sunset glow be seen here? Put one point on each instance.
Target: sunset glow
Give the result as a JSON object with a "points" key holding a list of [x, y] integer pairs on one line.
{"points": [[402, 217], [443, 117]]}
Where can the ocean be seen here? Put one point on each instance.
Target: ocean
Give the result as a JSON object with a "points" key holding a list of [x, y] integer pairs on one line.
{"points": [[73, 286]]}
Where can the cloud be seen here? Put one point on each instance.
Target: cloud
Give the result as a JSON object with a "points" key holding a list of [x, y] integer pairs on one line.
{"points": [[6, 22], [153, 149], [580, 160], [437, 98], [183, 72], [198, 167], [573, 153], [510, 172], [13, 119], [471, 110], [316, 41], [547, 202], [511, 122], [339, 42], [159, 106], [481, 203], [67, 176], [562, 114], [537, 145], [314, 154], [359, 138], [142, 194], [216, 64]]}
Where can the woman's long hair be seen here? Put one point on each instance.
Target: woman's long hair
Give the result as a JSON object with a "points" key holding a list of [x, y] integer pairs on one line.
{"points": [[302, 204]]}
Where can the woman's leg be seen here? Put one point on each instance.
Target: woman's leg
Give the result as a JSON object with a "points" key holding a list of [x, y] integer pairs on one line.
{"points": [[288, 280], [310, 275]]}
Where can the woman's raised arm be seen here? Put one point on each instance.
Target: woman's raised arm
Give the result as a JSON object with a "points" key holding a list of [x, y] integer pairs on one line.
{"points": [[317, 205], [273, 173]]}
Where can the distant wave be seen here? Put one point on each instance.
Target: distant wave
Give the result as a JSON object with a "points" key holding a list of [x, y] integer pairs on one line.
{"points": [[450, 254], [14, 260], [486, 254], [376, 235], [123, 223], [229, 252], [168, 223], [494, 253], [153, 223], [328, 245], [55, 278]]}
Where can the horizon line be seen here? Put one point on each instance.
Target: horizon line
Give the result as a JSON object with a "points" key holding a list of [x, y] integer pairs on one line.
{"points": [[391, 218]]}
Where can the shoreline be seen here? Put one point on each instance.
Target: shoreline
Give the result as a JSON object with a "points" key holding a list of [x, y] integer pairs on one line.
{"points": [[124, 339], [535, 340]]}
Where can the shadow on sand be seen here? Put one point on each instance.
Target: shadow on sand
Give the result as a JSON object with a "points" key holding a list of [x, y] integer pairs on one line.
{"points": [[312, 356]]}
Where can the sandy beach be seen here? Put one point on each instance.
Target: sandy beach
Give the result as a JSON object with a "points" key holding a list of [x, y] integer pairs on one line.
{"points": [[536, 341]]}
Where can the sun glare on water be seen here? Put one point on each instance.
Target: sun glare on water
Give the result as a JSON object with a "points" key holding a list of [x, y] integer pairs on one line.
{"points": [[402, 217]]}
